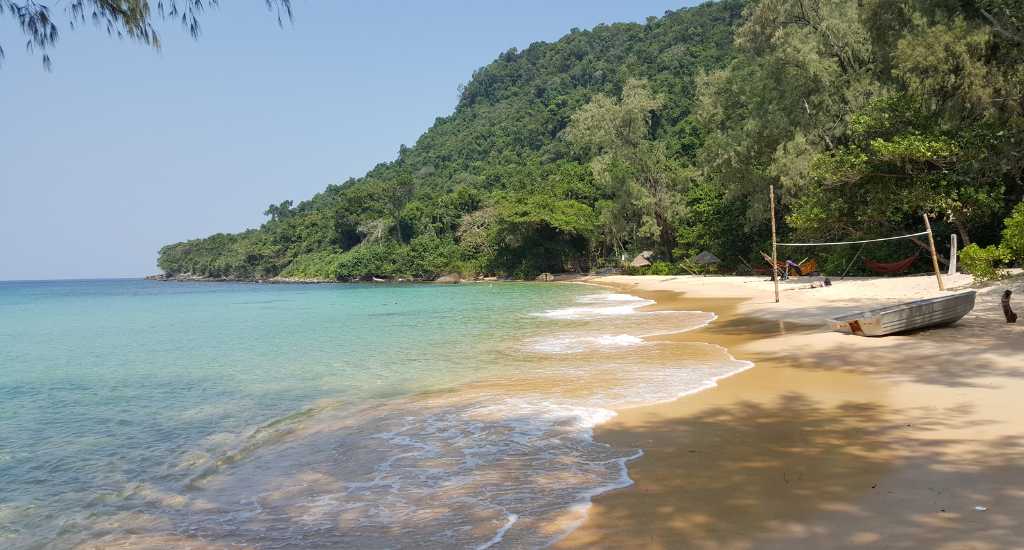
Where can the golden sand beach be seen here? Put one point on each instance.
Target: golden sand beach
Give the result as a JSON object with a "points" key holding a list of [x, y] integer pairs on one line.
{"points": [[831, 440]]}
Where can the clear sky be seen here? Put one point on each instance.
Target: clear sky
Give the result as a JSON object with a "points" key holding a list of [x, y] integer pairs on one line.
{"points": [[122, 149]]}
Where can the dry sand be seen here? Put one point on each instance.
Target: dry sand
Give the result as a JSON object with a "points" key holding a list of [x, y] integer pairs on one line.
{"points": [[831, 440]]}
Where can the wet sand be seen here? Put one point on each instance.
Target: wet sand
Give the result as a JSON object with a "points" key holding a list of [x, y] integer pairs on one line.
{"points": [[831, 440]]}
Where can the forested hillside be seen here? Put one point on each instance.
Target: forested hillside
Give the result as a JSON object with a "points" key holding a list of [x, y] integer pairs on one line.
{"points": [[666, 135]]}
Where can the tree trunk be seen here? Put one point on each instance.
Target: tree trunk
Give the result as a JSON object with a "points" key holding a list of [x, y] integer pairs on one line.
{"points": [[666, 237], [928, 249], [962, 230]]}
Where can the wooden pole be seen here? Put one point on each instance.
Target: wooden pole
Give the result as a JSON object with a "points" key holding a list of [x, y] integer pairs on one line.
{"points": [[935, 255], [775, 247], [849, 265]]}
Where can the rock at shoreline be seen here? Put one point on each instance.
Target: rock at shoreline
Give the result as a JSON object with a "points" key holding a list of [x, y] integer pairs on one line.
{"points": [[545, 277], [184, 277], [295, 280], [451, 279], [190, 278]]}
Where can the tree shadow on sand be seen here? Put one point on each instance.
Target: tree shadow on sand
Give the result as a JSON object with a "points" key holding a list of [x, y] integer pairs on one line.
{"points": [[738, 476], [970, 353], [799, 473]]}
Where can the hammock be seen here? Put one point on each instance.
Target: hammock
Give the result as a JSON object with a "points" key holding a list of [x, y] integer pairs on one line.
{"points": [[893, 267], [804, 268], [788, 267], [780, 267]]}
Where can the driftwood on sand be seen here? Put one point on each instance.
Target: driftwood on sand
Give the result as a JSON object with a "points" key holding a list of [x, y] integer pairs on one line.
{"points": [[1011, 317]]}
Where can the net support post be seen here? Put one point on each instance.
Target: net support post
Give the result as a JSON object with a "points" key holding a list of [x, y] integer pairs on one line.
{"points": [[935, 255], [775, 245]]}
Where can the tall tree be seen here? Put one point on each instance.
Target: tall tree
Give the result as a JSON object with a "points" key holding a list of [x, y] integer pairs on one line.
{"points": [[637, 172], [802, 67], [132, 19], [866, 114]]}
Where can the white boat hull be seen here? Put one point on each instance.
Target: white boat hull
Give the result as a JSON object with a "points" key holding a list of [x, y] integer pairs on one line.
{"points": [[919, 314]]}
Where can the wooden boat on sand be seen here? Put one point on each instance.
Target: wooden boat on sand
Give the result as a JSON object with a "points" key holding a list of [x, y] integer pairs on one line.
{"points": [[944, 310]]}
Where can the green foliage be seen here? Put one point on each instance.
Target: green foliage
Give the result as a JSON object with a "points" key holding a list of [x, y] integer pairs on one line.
{"points": [[690, 267], [643, 181], [661, 267], [499, 181], [710, 219], [368, 260], [244, 256], [429, 255], [982, 263], [424, 257], [320, 265], [864, 115], [1013, 234], [666, 136]]}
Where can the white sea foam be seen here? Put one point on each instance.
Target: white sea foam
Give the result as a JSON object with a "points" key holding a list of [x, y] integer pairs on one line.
{"points": [[512, 518], [591, 312], [602, 305], [609, 297], [570, 343], [617, 333], [582, 507], [438, 467], [603, 327]]}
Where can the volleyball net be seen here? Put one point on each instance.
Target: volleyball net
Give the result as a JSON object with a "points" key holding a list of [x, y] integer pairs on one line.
{"points": [[778, 269], [909, 236]]}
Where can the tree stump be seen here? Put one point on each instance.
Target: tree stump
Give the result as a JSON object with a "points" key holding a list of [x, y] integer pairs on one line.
{"points": [[1011, 317]]}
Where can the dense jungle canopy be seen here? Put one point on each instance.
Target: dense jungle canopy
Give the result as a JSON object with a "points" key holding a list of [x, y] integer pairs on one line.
{"points": [[665, 136]]}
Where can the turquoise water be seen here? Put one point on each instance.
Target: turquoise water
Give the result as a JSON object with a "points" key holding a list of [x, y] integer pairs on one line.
{"points": [[276, 416]]}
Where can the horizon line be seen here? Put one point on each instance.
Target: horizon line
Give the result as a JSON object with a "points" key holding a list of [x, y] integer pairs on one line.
{"points": [[67, 279]]}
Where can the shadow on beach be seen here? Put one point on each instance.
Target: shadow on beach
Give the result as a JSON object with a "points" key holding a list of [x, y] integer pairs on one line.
{"points": [[831, 441], [795, 473], [972, 353]]}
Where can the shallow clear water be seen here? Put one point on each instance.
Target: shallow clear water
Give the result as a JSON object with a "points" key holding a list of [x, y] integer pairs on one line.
{"points": [[287, 416]]}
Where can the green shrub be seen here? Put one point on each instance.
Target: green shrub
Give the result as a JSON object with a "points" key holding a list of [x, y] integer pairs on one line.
{"points": [[659, 267], [381, 259], [429, 256], [1013, 234], [426, 256], [317, 265], [982, 262], [690, 267]]}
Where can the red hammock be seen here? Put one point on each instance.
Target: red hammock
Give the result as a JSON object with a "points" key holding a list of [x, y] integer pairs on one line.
{"points": [[894, 267]]}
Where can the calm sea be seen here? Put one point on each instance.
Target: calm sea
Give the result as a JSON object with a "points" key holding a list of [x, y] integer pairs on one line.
{"points": [[198, 415]]}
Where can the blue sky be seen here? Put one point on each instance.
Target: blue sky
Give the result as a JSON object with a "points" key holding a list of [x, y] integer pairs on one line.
{"points": [[122, 149]]}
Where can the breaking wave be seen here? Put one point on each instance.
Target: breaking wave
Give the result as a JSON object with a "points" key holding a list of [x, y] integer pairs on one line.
{"points": [[509, 460]]}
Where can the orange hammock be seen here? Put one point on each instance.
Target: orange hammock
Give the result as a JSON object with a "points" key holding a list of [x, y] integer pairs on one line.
{"points": [[789, 267], [894, 267]]}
